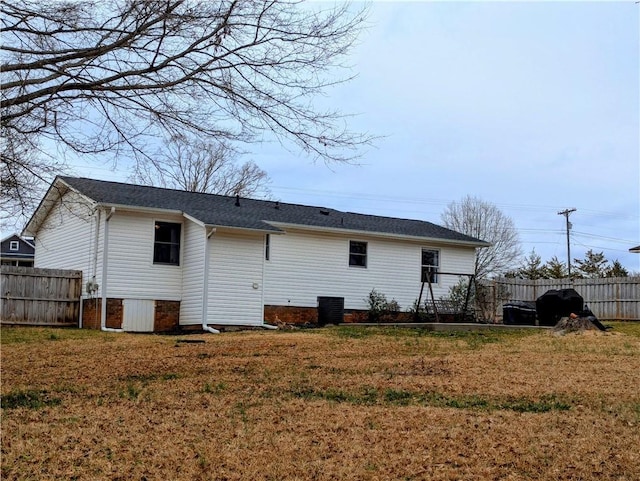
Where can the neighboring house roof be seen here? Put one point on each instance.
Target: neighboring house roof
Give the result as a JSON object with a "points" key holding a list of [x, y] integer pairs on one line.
{"points": [[635, 249], [26, 249], [263, 215]]}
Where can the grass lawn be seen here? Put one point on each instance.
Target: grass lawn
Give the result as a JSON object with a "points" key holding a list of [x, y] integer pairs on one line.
{"points": [[337, 403]]}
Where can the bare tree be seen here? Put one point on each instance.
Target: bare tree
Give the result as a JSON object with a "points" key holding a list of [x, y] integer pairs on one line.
{"points": [[23, 176], [93, 77], [203, 167], [483, 220]]}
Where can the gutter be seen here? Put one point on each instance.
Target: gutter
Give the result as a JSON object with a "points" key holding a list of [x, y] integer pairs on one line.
{"points": [[383, 235], [105, 252]]}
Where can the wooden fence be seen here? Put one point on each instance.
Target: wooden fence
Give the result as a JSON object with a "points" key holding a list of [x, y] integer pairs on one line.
{"points": [[40, 297], [615, 298]]}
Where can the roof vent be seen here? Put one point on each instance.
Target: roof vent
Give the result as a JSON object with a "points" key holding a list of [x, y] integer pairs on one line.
{"points": [[237, 200], [277, 206], [324, 211]]}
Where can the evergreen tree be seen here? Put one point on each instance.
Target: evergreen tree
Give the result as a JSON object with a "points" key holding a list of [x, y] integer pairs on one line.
{"points": [[532, 267], [593, 265], [555, 269], [616, 270]]}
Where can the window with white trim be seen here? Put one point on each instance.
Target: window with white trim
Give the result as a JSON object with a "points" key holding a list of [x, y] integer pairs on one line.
{"points": [[357, 254], [430, 265], [166, 244], [14, 246]]}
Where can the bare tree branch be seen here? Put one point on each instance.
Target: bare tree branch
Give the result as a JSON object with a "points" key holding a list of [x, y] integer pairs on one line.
{"points": [[117, 76]]}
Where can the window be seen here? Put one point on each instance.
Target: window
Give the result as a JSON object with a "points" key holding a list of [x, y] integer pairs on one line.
{"points": [[430, 265], [166, 246], [267, 246], [357, 254], [14, 246]]}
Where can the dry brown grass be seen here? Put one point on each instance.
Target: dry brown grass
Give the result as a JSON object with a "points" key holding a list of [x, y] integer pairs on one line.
{"points": [[336, 403]]}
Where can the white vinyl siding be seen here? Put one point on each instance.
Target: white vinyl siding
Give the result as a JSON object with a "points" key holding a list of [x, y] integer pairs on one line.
{"points": [[302, 264], [235, 278], [192, 273], [131, 271], [66, 238], [306, 265], [455, 259]]}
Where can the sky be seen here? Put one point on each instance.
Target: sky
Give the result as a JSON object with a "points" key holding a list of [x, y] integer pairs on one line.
{"points": [[531, 106]]}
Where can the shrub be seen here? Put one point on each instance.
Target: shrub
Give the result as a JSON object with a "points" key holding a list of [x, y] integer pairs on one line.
{"points": [[379, 308], [458, 294], [418, 312]]}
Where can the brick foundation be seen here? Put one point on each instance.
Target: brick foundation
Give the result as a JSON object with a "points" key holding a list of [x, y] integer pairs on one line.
{"points": [[92, 309], [354, 316], [167, 316], [91, 313], [307, 315], [114, 313], [290, 315]]}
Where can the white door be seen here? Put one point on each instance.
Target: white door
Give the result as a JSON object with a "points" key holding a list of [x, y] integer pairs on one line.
{"points": [[138, 315]]}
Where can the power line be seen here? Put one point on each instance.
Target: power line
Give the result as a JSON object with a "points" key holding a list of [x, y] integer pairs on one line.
{"points": [[421, 200], [612, 239], [600, 247]]}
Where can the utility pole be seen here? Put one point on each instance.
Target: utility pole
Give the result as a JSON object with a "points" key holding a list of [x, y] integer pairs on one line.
{"points": [[566, 213]]}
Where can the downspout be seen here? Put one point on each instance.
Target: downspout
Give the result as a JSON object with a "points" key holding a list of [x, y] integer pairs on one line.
{"points": [[80, 310], [264, 268], [208, 232], [105, 252], [93, 266], [95, 244]]}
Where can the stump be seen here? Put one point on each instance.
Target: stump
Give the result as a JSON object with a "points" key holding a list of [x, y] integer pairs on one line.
{"points": [[574, 323]]}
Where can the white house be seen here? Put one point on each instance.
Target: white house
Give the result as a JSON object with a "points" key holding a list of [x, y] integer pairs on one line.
{"points": [[156, 259]]}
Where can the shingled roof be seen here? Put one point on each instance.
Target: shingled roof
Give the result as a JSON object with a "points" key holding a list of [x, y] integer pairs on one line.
{"points": [[264, 215]]}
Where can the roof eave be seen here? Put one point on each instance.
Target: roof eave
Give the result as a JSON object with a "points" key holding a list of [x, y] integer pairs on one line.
{"points": [[247, 229], [56, 191], [201, 223], [141, 209], [387, 235]]}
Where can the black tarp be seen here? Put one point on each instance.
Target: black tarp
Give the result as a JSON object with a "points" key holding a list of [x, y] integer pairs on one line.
{"points": [[554, 304]]}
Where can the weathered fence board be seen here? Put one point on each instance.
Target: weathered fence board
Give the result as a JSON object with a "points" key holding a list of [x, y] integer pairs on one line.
{"points": [[615, 298], [40, 297]]}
